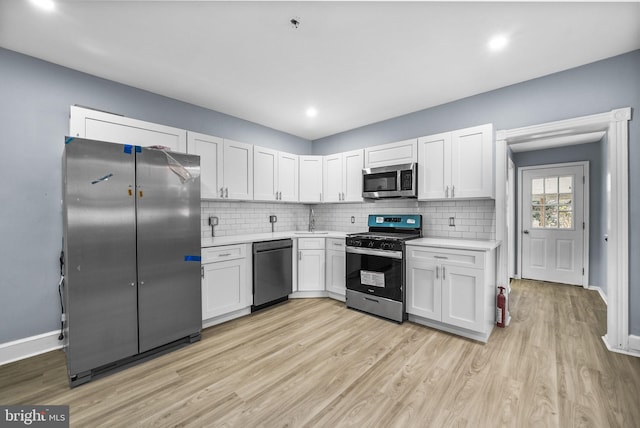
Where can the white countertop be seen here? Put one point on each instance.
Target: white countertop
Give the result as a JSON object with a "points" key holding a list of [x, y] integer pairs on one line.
{"points": [[257, 237], [459, 244]]}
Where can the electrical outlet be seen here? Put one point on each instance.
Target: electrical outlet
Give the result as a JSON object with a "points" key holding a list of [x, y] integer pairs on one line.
{"points": [[273, 219], [452, 222], [353, 219]]}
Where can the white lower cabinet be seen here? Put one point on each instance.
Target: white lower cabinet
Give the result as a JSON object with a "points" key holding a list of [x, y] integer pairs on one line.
{"points": [[336, 268], [311, 265], [451, 289], [226, 283]]}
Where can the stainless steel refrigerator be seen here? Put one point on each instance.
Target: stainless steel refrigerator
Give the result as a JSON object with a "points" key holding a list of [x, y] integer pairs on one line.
{"points": [[131, 254]]}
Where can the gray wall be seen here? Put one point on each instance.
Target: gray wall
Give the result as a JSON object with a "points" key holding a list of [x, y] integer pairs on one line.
{"points": [[34, 118], [597, 210], [593, 88]]}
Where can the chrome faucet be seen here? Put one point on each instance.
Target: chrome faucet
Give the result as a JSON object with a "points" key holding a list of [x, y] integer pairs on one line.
{"points": [[312, 220]]}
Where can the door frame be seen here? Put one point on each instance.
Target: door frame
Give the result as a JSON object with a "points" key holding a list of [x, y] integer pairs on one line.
{"points": [[585, 213], [614, 126]]}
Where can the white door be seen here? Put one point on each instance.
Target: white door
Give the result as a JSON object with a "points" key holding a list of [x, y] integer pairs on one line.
{"points": [[553, 224]]}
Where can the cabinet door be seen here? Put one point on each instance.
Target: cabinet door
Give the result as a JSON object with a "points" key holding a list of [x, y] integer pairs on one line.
{"points": [[336, 271], [238, 170], [287, 176], [472, 162], [434, 166], [97, 125], [462, 297], [310, 178], [210, 150], [391, 154], [311, 270], [332, 178], [265, 166], [224, 288], [424, 290], [353, 163]]}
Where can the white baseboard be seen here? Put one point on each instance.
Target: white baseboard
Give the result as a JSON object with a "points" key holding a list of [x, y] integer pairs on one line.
{"points": [[600, 291], [634, 344], [29, 347], [226, 317]]}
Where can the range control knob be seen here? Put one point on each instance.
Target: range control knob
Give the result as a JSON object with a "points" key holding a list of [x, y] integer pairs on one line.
{"points": [[356, 243], [371, 244]]}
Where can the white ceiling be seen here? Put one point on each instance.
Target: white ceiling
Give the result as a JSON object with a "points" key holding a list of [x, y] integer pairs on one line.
{"points": [[356, 62]]}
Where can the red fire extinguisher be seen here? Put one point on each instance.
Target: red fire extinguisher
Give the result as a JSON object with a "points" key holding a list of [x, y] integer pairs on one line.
{"points": [[502, 308]]}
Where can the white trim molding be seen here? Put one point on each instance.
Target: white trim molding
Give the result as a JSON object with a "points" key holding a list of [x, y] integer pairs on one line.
{"points": [[29, 347], [600, 292], [580, 130]]}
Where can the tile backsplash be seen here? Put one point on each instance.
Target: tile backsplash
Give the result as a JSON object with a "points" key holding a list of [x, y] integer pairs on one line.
{"points": [[472, 219]]}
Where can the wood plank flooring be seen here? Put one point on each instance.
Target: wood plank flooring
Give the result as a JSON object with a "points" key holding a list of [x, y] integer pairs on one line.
{"points": [[313, 363]]}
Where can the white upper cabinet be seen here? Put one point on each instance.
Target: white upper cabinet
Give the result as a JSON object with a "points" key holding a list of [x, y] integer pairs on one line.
{"points": [[238, 170], [210, 149], [265, 180], [310, 179], [472, 152], [391, 154], [275, 175], [434, 166], [342, 176], [97, 125], [226, 167], [457, 165], [287, 176]]}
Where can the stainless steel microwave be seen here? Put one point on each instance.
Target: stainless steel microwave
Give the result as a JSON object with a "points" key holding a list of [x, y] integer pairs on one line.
{"points": [[395, 181]]}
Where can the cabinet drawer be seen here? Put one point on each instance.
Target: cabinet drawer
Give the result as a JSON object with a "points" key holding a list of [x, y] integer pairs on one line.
{"points": [[453, 257], [335, 244], [310, 243], [228, 252]]}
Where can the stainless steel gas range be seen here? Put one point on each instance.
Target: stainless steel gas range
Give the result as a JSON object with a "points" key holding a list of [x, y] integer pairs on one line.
{"points": [[376, 265]]}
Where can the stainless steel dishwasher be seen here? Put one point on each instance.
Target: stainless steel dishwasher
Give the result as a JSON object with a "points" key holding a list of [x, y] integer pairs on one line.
{"points": [[272, 272]]}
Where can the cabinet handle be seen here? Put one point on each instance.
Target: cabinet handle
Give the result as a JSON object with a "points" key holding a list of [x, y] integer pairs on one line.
{"points": [[280, 195], [202, 272], [453, 191], [441, 257], [343, 196], [446, 192], [337, 244], [226, 192], [299, 255], [224, 255], [437, 272], [222, 192], [443, 274]]}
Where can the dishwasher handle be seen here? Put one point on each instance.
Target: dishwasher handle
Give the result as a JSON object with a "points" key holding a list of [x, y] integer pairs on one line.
{"points": [[269, 246]]}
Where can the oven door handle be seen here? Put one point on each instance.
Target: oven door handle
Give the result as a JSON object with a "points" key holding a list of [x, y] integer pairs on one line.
{"points": [[373, 252]]}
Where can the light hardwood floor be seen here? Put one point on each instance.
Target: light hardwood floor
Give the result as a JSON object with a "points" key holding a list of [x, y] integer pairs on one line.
{"points": [[313, 363]]}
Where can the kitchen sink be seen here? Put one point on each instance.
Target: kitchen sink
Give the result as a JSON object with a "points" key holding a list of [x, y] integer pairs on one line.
{"points": [[315, 232]]}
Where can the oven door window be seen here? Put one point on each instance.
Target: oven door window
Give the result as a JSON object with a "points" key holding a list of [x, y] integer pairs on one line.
{"points": [[375, 275], [381, 182]]}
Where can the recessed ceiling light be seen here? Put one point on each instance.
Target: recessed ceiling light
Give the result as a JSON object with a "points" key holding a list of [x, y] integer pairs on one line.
{"points": [[47, 5], [498, 43], [312, 112]]}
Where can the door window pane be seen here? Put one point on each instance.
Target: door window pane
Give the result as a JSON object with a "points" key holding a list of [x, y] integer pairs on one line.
{"points": [[552, 202]]}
